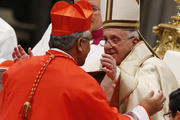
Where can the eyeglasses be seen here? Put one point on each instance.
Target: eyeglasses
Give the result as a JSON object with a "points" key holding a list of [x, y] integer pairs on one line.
{"points": [[85, 38], [167, 115], [113, 41]]}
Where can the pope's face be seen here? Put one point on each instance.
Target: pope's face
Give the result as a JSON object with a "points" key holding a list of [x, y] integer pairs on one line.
{"points": [[118, 44]]}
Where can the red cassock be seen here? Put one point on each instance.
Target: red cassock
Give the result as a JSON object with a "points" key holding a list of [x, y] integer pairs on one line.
{"points": [[65, 92]]}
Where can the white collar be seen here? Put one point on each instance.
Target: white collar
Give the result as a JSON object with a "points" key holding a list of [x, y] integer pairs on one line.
{"points": [[56, 49], [135, 58]]}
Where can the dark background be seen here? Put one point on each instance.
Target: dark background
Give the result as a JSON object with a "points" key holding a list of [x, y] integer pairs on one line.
{"points": [[30, 18]]}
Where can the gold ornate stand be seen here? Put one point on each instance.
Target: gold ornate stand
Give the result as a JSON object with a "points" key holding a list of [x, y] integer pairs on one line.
{"points": [[169, 34]]}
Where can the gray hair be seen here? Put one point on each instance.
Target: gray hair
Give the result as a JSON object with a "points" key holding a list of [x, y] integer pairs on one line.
{"points": [[66, 42], [132, 33]]}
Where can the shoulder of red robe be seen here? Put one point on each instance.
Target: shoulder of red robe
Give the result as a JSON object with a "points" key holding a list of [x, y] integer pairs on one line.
{"points": [[6, 65]]}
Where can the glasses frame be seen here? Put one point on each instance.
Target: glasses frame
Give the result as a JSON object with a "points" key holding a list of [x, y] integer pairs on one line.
{"points": [[85, 38], [111, 41]]}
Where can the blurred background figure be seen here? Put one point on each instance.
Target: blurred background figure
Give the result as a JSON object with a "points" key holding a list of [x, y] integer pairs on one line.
{"points": [[174, 106], [7, 40], [29, 18]]}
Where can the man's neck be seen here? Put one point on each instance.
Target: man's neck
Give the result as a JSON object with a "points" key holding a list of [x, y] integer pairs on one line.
{"points": [[69, 53]]}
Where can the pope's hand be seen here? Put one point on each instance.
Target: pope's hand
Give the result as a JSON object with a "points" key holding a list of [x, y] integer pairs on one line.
{"points": [[19, 53], [109, 64], [153, 103]]}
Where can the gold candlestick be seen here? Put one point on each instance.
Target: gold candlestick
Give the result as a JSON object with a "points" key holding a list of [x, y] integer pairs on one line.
{"points": [[169, 34]]}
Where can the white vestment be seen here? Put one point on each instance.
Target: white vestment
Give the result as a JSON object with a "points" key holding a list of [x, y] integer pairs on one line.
{"points": [[140, 73], [8, 41], [43, 45], [172, 59]]}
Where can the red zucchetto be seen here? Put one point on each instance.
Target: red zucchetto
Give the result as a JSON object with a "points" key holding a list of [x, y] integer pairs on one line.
{"points": [[67, 19]]}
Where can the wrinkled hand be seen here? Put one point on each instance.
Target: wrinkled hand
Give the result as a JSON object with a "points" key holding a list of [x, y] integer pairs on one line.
{"points": [[19, 53], [153, 103], [109, 64]]}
